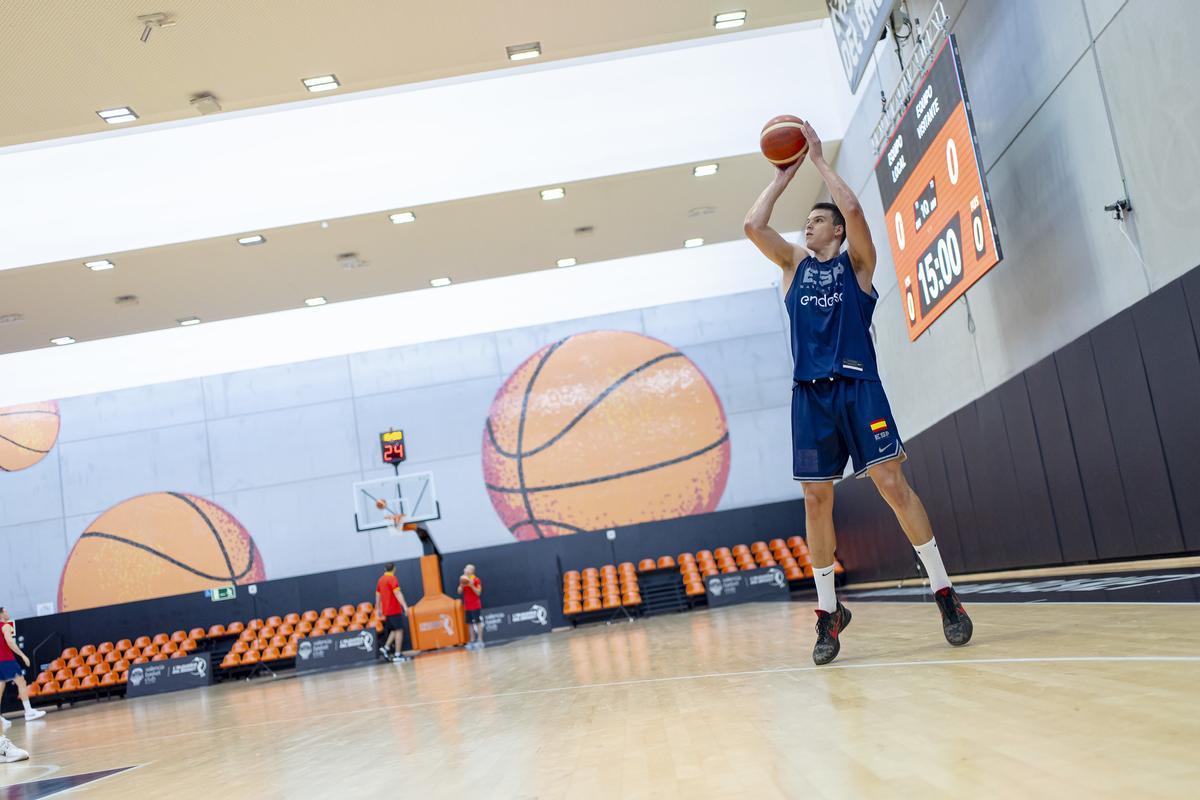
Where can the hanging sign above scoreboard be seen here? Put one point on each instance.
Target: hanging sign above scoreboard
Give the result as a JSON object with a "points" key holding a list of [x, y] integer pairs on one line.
{"points": [[938, 214]]}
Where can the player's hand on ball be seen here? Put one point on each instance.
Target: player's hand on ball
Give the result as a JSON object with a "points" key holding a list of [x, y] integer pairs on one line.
{"points": [[786, 174], [814, 141]]}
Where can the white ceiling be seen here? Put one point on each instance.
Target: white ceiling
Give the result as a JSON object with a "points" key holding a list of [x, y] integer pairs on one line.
{"points": [[431, 118]]}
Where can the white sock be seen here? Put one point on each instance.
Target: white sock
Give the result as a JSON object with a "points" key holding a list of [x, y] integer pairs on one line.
{"points": [[934, 568], [27, 706], [826, 596]]}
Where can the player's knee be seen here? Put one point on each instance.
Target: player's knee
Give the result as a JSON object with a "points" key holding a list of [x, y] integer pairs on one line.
{"points": [[891, 483], [818, 497]]}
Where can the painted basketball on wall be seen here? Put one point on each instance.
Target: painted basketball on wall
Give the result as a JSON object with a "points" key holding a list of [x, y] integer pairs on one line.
{"points": [[600, 430], [156, 545], [27, 433]]}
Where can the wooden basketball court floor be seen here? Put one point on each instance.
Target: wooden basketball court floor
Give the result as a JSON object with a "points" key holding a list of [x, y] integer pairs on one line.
{"points": [[1070, 700]]}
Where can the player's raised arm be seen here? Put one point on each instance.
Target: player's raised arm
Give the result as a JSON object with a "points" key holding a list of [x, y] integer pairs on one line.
{"points": [[858, 234], [759, 230]]}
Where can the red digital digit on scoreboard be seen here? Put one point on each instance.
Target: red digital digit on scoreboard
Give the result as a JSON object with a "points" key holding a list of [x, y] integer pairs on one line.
{"points": [[938, 214], [392, 445]]}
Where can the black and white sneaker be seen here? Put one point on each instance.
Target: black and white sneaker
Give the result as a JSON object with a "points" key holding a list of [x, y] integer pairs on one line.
{"points": [[9, 752], [956, 625], [387, 655], [829, 627]]}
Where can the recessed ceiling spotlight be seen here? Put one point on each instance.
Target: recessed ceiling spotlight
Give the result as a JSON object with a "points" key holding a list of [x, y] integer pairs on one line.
{"points": [[61, 340], [116, 116], [402, 217], [315, 301], [729, 19], [557, 193], [705, 170], [524, 52], [99, 265], [693, 242], [250, 241], [321, 83], [186, 321], [566, 262], [440, 282]]}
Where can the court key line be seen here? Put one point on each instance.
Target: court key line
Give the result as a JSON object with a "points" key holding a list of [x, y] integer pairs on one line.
{"points": [[667, 679]]}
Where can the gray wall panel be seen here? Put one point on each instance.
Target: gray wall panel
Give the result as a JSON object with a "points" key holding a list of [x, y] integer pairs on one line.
{"points": [[31, 494], [760, 457], [1149, 61], [516, 346], [265, 389], [25, 551], [425, 364], [1066, 266], [731, 317], [283, 446], [749, 373], [1014, 54], [156, 406], [98, 473]]}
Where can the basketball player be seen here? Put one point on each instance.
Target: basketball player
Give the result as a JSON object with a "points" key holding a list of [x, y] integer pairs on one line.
{"points": [[11, 670], [471, 589], [389, 600], [839, 409]]}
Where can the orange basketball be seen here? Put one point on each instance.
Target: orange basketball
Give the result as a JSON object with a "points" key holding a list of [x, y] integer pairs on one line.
{"points": [[782, 141], [156, 545], [27, 433], [600, 430]]}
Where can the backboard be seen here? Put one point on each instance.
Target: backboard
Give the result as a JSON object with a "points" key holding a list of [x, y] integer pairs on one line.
{"points": [[413, 495]]}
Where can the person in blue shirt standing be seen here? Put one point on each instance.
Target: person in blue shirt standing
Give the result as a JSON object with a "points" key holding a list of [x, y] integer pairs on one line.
{"points": [[839, 409]]}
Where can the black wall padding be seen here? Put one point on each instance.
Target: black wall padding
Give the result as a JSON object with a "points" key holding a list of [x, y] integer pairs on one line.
{"points": [[1091, 454]]}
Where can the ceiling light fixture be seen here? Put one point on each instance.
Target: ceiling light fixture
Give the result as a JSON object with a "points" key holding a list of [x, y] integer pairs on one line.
{"points": [[440, 282], [402, 217], [704, 170], [99, 265], [524, 52], [315, 301], [566, 262], [186, 321], [205, 103], [729, 19], [693, 242], [321, 83], [116, 116], [61, 340], [557, 193], [250, 241]]}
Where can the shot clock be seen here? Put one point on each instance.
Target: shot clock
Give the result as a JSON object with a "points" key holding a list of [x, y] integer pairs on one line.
{"points": [[391, 443], [939, 216]]}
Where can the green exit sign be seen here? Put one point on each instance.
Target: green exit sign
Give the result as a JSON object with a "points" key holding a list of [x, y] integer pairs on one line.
{"points": [[222, 593]]}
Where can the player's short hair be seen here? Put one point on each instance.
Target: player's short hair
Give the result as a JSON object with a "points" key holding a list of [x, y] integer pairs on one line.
{"points": [[388, 567], [834, 212]]}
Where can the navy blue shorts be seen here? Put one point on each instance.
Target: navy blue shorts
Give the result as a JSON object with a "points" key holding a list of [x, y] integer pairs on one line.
{"points": [[10, 670], [837, 420]]}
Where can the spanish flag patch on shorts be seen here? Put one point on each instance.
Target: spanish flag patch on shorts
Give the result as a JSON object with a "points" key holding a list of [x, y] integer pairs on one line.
{"points": [[878, 425]]}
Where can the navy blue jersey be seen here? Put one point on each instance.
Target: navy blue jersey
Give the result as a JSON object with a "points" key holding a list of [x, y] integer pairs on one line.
{"points": [[831, 320]]}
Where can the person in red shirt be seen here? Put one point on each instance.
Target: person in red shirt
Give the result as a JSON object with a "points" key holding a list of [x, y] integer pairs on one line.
{"points": [[471, 589], [11, 670], [389, 601]]}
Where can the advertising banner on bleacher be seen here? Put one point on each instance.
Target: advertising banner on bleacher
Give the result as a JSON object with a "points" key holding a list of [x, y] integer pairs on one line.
{"points": [[515, 621], [335, 650], [170, 675], [747, 586]]}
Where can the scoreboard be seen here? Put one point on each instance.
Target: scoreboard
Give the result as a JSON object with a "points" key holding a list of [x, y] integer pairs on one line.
{"points": [[937, 211], [391, 444]]}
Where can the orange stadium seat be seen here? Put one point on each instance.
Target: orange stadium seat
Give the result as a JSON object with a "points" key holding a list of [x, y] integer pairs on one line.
{"points": [[160, 657], [336, 629], [74, 661], [693, 588], [112, 656], [342, 620], [346, 611], [101, 669], [131, 653], [631, 599], [239, 647], [235, 627], [69, 653], [109, 680], [70, 685], [572, 607], [169, 648], [87, 683], [230, 660], [304, 627], [123, 645], [62, 674], [287, 629], [141, 642], [328, 613], [141, 660], [278, 641], [50, 688], [310, 616], [271, 654], [665, 561], [178, 636], [57, 664], [266, 632], [250, 657], [254, 624], [366, 607], [571, 574], [187, 645], [93, 659], [179, 654], [151, 650], [87, 650], [196, 633], [291, 619], [248, 635], [289, 650], [121, 666], [160, 639], [216, 630], [274, 622]]}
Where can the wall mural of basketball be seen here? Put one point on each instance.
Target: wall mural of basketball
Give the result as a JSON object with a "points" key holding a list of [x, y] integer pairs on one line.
{"points": [[604, 429], [27, 433], [156, 545]]}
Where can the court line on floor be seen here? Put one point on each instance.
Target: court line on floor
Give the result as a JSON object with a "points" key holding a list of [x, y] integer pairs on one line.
{"points": [[665, 679]]}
